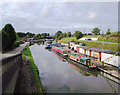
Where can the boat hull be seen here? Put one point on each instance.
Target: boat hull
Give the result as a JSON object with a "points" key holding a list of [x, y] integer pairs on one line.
{"points": [[62, 55], [81, 63], [48, 47]]}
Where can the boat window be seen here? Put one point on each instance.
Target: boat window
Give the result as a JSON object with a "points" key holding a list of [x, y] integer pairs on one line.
{"points": [[88, 62]]}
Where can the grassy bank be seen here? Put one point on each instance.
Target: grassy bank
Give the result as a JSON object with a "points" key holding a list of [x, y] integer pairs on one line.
{"points": [[113, 47], [113, 37], [35, 70], [67, 39]]}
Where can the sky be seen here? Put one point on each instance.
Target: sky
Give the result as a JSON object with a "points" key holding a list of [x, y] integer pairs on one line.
{"points": [[67, 16]]}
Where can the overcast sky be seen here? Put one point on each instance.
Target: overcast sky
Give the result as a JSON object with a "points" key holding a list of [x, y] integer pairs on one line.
{"points": [[38, 17]]}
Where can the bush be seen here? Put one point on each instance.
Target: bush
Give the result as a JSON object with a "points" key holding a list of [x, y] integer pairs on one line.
{"points": [[72, 40], [8, 37], [78, 34], [77, 42], [17, 43]]}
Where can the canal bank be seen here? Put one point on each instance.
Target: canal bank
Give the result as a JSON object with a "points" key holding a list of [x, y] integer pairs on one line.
{"points": [[10, 64], [28, 80]]}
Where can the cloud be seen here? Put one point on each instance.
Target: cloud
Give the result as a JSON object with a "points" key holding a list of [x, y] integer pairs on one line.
{"points": [[38, 17], [92, 15]]}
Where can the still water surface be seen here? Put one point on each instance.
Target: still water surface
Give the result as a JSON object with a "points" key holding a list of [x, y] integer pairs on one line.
{"points": [[60, 76]]}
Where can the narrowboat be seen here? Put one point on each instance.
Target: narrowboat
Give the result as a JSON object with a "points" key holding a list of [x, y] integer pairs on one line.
{"points": [[60, 51], [51, 45], [82, 60]]}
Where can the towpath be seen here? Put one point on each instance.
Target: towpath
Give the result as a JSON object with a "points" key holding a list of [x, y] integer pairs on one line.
{"points": [[26, 81], [13, 52]]}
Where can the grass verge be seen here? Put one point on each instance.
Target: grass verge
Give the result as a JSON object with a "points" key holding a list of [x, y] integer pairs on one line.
{"points": [[113, 47], [27, 52], [67, 39]]}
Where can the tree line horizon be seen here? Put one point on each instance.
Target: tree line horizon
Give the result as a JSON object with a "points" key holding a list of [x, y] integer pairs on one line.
{"points": [[59, 34], [9, 35]]}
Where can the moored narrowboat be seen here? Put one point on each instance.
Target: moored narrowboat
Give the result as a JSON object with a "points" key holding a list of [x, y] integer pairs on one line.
{"points": [[48, 47], [82, 60], [60, 51], [51, 45]]}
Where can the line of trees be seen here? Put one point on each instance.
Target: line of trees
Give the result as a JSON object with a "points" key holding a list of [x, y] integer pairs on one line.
{"points": [[96, 31], [59, 35], [32, 35]]}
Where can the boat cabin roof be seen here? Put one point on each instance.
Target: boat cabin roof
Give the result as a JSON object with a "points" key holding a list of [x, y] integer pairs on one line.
{"points": [[75, 55], [59, 48], [83, 58]]}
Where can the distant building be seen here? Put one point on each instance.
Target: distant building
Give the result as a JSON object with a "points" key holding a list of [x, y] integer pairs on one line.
{"points": [[89, 38]]}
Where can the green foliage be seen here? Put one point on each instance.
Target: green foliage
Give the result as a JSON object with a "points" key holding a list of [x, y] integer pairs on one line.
{"points": [[64, 34], [17, 43], [35, 70], [108, 32], [30, 35], [113, 47], [89, 33], [78, 34], [58, 35], [77, 42], [38, 36], [68, 34], [44, 35], [116, 33], [48, 34], [96, 31], [67, 39], [5, 39], [8, 37], [21, 34]]}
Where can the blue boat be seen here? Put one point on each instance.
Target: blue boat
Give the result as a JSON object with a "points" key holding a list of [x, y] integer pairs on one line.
{"points": [[119, 66], [52, 44]]}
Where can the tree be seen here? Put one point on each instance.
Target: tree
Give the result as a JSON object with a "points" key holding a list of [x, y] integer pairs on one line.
{"points": [[38, 36], [5, 40], [48, 34], [89, 33], [68, 34], [78, 34], [64, 34], [58, 35], [8, 36], [96, 31], [108, 32], [85, 34], [44, 35], [29, 34], [21, 34]]}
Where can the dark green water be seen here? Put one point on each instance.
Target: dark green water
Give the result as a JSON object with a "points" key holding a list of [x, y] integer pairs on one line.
{"points": [[60, 76]]}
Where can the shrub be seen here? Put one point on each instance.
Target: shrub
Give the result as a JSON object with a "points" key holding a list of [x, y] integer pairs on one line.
{"points": [[17, 43], [8, 37], [77, 42]]}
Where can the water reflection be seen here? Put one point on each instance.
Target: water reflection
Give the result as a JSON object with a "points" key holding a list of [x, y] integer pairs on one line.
{"points": [[62, 59], [66, 77], [83, 70]]}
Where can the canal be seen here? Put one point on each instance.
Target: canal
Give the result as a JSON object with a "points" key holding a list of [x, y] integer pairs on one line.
{"points": [[60, 76]]}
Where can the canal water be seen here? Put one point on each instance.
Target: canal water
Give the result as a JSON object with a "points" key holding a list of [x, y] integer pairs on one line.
{"points": [[61, 76]]}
